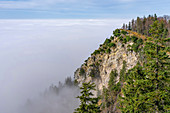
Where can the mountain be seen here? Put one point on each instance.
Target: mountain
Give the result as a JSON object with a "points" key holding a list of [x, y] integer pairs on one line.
{"points": [[124, 51]]}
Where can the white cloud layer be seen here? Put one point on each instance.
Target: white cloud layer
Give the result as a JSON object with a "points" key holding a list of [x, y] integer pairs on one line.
{"points": [[37, 53]]}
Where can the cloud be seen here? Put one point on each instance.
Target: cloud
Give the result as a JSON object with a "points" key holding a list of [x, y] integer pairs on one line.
{"points": [[37, 53], [17, 4], [45, 4]]}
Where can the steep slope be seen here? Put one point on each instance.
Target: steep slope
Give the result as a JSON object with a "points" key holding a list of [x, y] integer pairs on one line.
{"points": [[110, 56], [131, 69]]}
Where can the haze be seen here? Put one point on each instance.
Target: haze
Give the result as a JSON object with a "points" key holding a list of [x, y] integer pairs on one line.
{"points": [[37, 53]]}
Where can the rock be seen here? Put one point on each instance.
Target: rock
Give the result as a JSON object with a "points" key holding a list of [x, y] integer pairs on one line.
{"points": [[102, 64]]}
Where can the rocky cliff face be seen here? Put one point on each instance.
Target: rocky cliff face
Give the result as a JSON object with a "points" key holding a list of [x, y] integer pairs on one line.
{"points": [[98, 67]]}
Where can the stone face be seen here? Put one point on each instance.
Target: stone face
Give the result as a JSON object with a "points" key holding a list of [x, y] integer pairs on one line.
{"points": [[102, 64]]}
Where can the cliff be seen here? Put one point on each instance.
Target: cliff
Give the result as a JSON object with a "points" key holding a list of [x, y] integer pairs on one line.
{"points": [[131, 69], [110, 56]]}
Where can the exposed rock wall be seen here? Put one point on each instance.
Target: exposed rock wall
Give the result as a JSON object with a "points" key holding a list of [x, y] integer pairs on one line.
{"points": [[97, 68]]}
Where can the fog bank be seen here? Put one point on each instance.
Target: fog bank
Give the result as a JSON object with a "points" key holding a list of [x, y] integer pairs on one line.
{"points": [[37, 53]]}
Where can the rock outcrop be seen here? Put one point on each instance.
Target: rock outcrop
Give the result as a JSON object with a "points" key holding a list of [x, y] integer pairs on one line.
{"points": [[98, 67]]}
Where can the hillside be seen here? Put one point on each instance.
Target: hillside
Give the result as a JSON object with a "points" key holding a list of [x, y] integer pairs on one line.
{"points": [[108, 57], [110, 67]]}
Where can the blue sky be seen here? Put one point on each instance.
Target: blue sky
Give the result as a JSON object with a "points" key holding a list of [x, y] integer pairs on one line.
{"points": [[80, 9]]}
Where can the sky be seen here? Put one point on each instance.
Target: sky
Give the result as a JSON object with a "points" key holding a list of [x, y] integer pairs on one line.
{"points": [[81, 9]]}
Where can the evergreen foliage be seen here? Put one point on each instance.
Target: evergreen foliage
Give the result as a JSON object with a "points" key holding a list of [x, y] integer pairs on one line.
{"points": [[88, 103], [142, 25], [147, 87], [131, 100], [117, 32], [110, 93], [82, 71], [123, 72]]}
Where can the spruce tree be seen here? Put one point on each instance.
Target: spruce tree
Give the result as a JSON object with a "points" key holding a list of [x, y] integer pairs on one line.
{"points": [[131, 100], [89, 104], [147, 87], [156, 70]]}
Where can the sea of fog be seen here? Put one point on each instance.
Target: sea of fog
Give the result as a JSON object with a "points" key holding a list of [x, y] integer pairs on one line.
{"points": [[37, 53]]}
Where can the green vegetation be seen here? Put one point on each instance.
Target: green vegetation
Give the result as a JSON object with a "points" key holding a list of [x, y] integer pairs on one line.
{"points": [[105, 48], [128, 38], [147, 86], [88, 104], [124, 32], [120, 38], [92, 73], [142, 25], [130, 101], [108, 50], [136, 47], [112, 38], [110, 93], [134, 39], [123, 72], [111, 45], [117, 32], [96, 52], [107, 41], [82, 71]]}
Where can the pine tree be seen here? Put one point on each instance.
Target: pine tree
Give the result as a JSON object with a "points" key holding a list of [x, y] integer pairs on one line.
{"points": [[88, 104]]}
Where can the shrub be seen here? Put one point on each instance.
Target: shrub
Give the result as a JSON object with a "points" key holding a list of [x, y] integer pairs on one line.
{"points": [[128, 38], [82, 71], [135, 47], [120, 38], [116, 32], [92, 73], [124, 40], [85, 61], [111, 37], [107, 41], [123, 71], [112, 45], [96, 52], [108, 50], [124, 32], [134, 39], [102, 50], [97, 64], [140, 41]]}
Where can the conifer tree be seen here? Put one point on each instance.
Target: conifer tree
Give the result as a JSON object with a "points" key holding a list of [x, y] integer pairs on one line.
{"points": [[147, 87], [129, 26], [132, 101], [124, 26], [156, 70], [133, 25], [139, 25], [88, 103]]}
